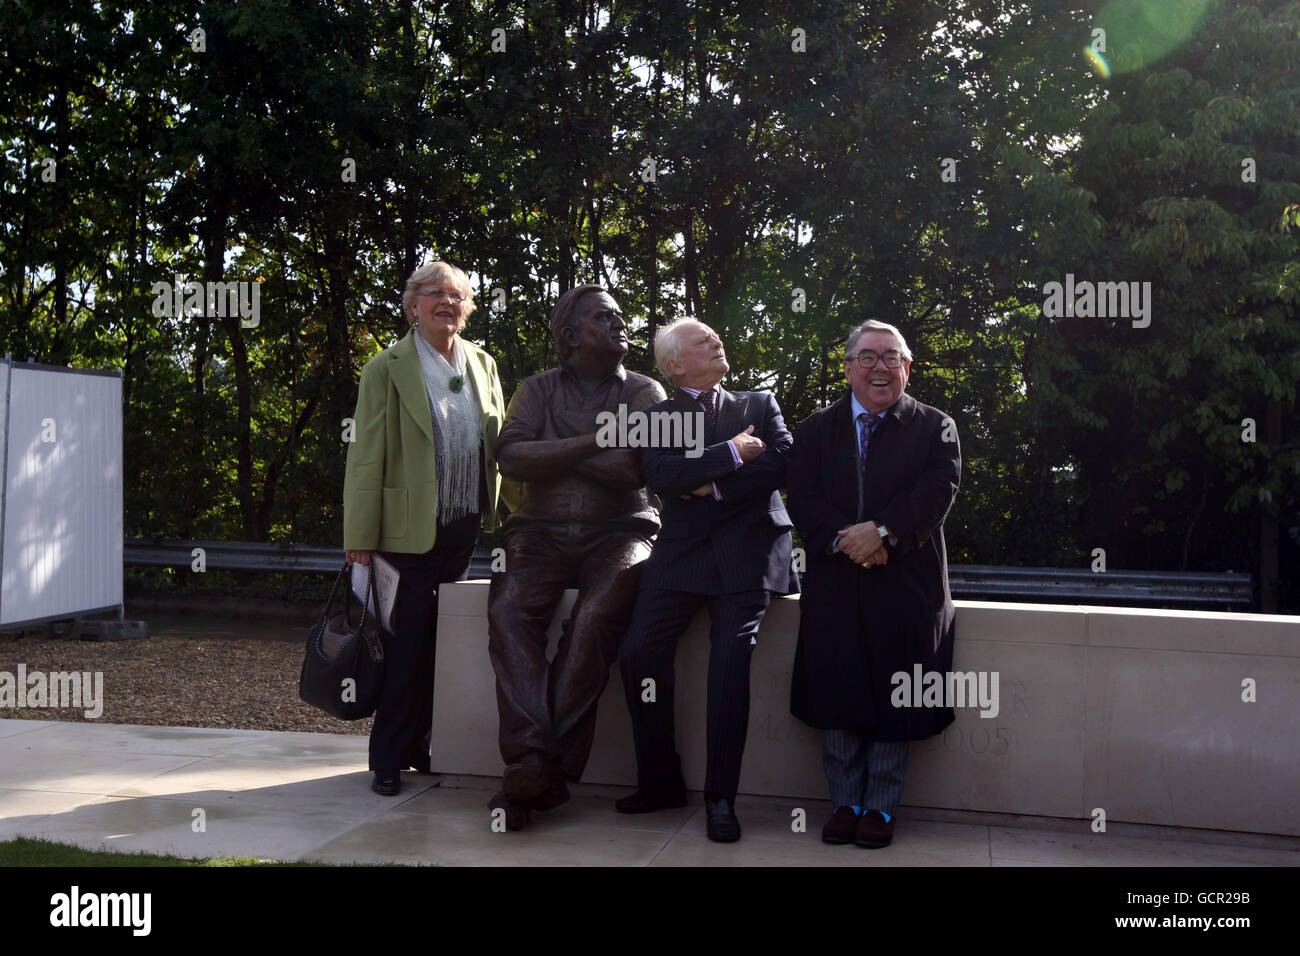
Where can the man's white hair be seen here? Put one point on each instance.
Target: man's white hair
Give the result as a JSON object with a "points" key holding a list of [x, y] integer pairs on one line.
{"points": [[668, 343], [871, 325]]}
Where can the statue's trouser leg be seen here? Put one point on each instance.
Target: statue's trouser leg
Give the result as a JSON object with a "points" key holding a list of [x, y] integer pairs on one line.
{"points": [[607, 588], [521, 602]]}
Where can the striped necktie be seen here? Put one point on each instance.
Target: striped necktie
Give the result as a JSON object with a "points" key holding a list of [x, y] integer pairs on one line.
{"points": [[867, 423]]}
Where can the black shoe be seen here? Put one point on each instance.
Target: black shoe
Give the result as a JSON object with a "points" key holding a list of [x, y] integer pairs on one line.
{"points": [[387, 783], [648, 801], [723, 825]]}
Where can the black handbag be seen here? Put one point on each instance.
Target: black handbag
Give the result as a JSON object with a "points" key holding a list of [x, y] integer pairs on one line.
{"points": [[343, 670]]}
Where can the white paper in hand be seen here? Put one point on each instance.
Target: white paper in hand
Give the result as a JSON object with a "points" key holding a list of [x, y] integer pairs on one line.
{"points": [[386, 577]]}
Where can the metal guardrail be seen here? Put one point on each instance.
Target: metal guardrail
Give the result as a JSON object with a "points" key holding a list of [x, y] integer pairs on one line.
{"points": [[976, 582], [979, 582], [254, 556]]}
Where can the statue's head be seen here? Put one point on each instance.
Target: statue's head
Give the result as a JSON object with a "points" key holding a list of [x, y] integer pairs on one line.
{"points": [[587, 320]]}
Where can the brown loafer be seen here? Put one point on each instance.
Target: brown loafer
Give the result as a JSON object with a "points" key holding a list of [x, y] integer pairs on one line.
{"points": [[874, 831], [842, 827]]}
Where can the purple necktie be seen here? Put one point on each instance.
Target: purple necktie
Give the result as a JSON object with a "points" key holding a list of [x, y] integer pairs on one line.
{"points": [[867, 423], [710, 409]]}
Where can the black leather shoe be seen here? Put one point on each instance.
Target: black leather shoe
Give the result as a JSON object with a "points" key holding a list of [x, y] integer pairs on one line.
{"points": [[387, 783], [723, 825], [648, 801]]}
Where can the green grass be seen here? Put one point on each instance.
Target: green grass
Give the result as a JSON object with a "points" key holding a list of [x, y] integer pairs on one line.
{"points": [[26, 852]]}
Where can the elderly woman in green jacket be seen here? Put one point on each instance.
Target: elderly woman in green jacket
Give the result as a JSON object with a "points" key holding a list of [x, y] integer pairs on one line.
{"points": [[421, 479]]}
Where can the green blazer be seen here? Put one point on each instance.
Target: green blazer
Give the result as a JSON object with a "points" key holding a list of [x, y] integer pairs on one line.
{"points": [[390, 489]]}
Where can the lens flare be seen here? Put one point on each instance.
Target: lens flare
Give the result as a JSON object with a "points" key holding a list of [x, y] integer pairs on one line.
{"points": [[1097, 62], [1136, 34]]}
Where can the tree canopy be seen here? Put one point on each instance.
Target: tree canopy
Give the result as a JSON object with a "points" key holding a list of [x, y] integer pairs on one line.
{"points": [[780, 173]]}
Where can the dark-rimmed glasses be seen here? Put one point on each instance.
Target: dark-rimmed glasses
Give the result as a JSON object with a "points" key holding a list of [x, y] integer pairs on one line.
{"points": [[867, 358]]}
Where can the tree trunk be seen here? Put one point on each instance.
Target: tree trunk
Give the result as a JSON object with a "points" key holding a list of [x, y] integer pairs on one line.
{"points": [[691, 266], [1268, 523]]}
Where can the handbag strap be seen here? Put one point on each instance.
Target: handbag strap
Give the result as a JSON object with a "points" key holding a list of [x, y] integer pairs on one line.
{"points": [[329, 602], [372, 640]]}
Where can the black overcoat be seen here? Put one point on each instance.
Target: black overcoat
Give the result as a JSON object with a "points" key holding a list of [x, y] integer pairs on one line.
{"points": [[858, 626]]}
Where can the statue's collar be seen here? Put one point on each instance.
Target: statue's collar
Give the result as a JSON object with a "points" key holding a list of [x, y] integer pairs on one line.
{"points": [[620, 373]]}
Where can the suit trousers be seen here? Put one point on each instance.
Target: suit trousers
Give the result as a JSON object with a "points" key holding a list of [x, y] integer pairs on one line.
{"points": [[660, 618], [400, 734], [548, 708], [864, 772]]}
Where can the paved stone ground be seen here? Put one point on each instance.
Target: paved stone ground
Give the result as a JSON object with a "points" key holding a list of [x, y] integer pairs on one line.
{"points": [[289, 796]]}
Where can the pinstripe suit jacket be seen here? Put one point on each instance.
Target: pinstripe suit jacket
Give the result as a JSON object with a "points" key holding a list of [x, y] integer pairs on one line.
{"points": [[742, 542]]}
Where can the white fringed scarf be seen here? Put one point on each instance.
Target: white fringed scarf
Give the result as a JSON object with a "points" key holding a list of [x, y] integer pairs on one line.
{"points": [[457, 430]]}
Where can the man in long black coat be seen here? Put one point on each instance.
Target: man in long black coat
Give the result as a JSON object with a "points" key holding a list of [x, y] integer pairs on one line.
{"points": [[870, 480]]}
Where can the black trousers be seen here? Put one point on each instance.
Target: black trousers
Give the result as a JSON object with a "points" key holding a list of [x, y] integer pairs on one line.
{"points": [[400, 734], [658, 621]]}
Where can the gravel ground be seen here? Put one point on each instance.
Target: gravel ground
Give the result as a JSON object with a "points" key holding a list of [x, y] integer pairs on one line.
{"points": [[190, 672]]}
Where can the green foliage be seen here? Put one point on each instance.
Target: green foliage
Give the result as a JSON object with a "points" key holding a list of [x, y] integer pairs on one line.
{"points": [[24, 851], [775, 171]]}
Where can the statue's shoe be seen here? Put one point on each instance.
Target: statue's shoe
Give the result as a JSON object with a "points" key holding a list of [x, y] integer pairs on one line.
{"points": [[523, 782], [516, 813]]}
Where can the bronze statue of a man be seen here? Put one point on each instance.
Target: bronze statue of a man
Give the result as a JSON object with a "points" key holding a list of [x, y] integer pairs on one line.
{"points": [[585, 521]]}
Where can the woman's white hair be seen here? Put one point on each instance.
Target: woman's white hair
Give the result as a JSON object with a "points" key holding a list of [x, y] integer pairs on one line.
{"points": [[442, 275]]}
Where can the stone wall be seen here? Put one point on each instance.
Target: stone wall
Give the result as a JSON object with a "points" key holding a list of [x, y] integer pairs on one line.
{"points": [[1137, 712]]}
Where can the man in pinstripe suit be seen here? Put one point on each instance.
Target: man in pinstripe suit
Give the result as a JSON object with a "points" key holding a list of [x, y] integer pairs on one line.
{"points": [[725, 543]]}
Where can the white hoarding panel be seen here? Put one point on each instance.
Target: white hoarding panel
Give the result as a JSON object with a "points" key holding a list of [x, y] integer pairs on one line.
{"points": [[5, 366], [62, 545]]}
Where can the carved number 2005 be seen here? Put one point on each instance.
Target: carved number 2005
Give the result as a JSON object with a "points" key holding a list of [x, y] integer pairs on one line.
{"points": [[977, 740]]}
